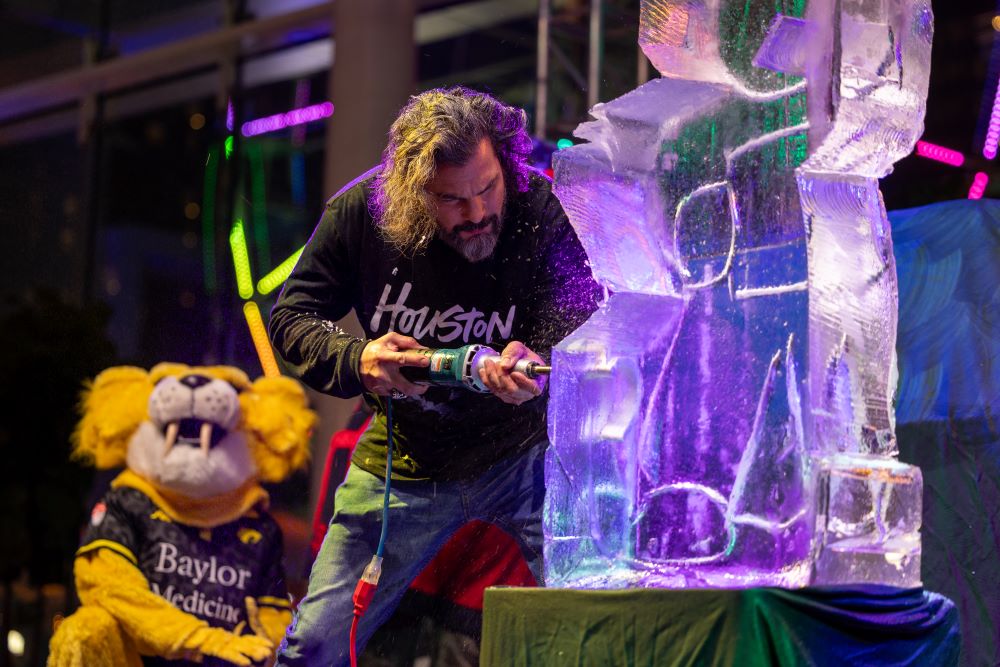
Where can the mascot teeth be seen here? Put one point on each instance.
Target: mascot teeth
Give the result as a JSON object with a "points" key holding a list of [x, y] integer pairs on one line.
{"points": [[173, 428], [194, 432], [206, 435]]}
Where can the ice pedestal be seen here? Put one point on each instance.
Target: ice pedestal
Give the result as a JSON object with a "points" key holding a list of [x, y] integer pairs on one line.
{"points": [[725, 419]]}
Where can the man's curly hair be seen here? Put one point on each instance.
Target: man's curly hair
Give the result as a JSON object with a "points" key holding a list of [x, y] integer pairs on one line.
{"points": [[442, 126]]}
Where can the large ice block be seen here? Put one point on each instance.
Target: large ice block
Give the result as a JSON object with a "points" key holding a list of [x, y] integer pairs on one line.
{"points": [[725, 419]]}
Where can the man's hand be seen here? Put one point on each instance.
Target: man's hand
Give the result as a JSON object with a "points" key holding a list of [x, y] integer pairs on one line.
{"points": [[380, 362], [510, 387]]}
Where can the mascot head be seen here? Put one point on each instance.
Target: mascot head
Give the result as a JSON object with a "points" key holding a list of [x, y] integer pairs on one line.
{"points": [[197, 431]]}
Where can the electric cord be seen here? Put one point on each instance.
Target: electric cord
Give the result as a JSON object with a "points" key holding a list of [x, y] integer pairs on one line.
{"points": [[365, 590], [388, 471]]}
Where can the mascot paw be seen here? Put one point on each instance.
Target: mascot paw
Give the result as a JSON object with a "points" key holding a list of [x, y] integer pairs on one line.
{"points": [[238, 649], [90, 637]]}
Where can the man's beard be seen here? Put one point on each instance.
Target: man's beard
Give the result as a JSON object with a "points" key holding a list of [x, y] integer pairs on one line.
{"points": [[480, 246]]}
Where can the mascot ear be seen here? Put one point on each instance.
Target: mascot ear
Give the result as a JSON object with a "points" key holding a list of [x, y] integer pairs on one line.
{"points": [[112, 406], [278, 424]]}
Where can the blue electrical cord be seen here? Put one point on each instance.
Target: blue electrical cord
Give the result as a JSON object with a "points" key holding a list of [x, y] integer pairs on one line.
{"points": [[365, 590], [388, 474]]}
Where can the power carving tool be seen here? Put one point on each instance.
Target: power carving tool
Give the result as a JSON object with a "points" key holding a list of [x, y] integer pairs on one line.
{"points": [[459, 367]]}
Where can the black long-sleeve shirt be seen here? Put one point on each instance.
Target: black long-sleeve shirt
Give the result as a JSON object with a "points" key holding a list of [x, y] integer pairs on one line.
{"points": [[536, 288]]}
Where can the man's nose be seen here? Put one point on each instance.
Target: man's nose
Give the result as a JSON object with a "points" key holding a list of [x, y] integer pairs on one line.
{"points": [[476, 209]]}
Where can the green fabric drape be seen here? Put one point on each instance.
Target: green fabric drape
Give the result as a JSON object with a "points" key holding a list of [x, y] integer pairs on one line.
{"points": [[715, 628]]}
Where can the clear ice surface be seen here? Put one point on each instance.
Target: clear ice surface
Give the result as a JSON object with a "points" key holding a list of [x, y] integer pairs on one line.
{"points": [[725, 419]]}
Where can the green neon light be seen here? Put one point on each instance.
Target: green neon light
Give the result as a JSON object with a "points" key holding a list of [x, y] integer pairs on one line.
{"points": [[229, 146], [261, 237], [275, 278], [563, 143], [208, 220], [241, 260]]}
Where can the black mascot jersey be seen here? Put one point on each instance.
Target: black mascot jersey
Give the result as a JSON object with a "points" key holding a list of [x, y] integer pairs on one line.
{"points": [[207, 572]]}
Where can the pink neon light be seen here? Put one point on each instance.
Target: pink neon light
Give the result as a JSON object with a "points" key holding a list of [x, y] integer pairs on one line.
{"points": [[993, 130], [282, 120], [940, 153], [978, 185]]}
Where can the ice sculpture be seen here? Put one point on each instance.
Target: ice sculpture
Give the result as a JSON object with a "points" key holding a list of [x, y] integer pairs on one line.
{"points": [[725, 419]]}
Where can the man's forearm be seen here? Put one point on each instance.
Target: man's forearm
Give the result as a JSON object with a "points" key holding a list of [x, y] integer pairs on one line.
{"points": [[317, 351]]}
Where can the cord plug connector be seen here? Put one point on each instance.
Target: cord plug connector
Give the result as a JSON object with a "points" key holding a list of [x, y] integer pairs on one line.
{"points": [[373, 571], [365, 590]]}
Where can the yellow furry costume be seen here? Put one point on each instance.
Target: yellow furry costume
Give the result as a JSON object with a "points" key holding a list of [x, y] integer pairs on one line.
{"points": [[181, 561]]}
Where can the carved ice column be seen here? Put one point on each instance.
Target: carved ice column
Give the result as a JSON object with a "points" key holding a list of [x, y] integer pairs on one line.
{"points": [[726, 419]]}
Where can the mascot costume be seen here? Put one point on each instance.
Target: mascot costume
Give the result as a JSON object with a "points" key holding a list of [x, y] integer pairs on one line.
{"points": [[181, 564]]}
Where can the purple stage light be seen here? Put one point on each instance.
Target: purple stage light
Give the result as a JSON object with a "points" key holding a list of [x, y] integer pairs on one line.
{"points": [[282, 120], [993, 130], [939, 153], [978, 187]]}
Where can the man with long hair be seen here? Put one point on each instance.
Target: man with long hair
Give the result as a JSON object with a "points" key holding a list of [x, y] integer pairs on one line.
{"points": [[452, 240]]}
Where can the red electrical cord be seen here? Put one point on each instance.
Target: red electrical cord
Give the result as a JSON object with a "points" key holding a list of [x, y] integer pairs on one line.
{"points": [[365, 590], [363, 594], [354, 639]]}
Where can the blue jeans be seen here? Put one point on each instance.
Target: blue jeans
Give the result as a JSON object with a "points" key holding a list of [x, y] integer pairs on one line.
{"points": [[422, 516]]}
